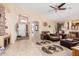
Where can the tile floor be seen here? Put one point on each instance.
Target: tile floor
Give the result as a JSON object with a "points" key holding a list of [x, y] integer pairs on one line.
{"points": [[28, 47], [22, 48]]}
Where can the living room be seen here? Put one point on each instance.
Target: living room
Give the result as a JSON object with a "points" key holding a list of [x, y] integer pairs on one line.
{"points": [[48, 31]]}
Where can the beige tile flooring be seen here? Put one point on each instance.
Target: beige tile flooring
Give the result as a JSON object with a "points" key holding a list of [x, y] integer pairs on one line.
{"points": [[23, 47], [26, 47]]}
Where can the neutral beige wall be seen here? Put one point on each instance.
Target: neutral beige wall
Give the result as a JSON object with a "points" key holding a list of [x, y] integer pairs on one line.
{"points": [[12, 12]]}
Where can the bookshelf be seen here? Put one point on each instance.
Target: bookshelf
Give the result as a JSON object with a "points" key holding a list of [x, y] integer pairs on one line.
{"points": [[2, 20]]}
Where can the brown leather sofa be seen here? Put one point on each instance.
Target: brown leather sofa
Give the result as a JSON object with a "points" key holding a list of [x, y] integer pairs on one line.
{"points": [[47, 36]]}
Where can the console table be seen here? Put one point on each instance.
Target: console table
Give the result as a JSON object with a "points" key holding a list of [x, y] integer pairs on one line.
{"points": [[75, 51], [4, 40]]}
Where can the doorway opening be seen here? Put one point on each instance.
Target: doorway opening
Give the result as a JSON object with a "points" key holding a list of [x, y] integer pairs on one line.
{"points": [[22, 28], [35, 28]]}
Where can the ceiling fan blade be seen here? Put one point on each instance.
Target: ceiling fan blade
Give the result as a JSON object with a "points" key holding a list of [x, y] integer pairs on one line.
{"points": [[61, 8], [61, 5], [52, 7]]}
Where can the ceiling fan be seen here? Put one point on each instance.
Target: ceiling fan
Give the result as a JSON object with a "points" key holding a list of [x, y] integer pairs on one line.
{"points": [[58, 7]]}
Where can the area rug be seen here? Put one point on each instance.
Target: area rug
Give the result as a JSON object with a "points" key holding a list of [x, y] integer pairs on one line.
{"points": [[52, 49], [43, 42], [47, 47]]}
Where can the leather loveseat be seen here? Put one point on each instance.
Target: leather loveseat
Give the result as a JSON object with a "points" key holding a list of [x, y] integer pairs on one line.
{"points": [[68, 44]]}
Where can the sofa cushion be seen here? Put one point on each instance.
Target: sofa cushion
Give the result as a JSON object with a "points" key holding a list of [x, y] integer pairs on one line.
{"points": [[69, 39]]}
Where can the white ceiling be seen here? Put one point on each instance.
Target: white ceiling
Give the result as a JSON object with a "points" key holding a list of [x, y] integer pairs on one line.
{"points": [[44, 9]]}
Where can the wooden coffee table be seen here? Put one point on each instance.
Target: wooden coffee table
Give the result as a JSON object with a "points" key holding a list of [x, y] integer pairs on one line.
{"points": [[75, 51]]}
